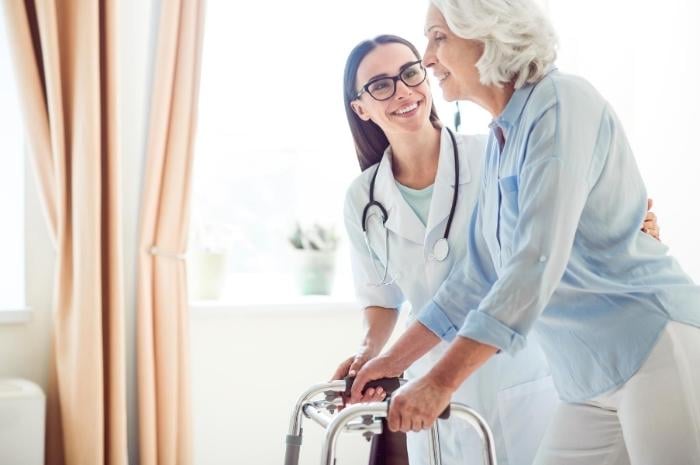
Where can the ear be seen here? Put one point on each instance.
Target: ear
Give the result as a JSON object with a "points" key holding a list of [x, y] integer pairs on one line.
{"points": [[360, 110]]}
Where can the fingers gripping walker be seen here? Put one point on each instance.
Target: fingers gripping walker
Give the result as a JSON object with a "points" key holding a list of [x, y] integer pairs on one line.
{"points": [[366, 419]]}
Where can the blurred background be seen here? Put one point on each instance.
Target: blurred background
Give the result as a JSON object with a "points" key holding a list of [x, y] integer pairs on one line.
{"points": [[273, 151]]}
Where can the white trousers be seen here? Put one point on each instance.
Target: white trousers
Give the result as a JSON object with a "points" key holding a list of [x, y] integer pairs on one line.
{"points": [[514, 394], [653, 419]]}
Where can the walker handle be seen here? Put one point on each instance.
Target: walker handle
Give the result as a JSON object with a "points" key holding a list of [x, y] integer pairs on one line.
{"points": [[389, 385]]}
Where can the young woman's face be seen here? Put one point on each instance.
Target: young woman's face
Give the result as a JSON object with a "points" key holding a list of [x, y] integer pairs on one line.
{"points": [[452, 59], [408, 109]]}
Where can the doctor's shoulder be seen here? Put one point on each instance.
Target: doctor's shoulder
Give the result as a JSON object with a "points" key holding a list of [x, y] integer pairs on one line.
{"points": [[472, 149]]}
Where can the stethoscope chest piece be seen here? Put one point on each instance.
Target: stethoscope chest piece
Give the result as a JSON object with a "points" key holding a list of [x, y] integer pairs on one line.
{"points": [[441, 249]]}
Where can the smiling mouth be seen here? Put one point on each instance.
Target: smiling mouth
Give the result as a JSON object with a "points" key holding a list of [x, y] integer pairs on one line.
{"points": [[441, 77], [407, 110]]}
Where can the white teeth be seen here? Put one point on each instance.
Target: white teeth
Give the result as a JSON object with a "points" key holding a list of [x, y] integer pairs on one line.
{"points": [[406, 109]]}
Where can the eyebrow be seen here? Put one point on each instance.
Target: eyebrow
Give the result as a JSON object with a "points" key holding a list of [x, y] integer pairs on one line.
{"points": [[401, 70], [427, 31]]}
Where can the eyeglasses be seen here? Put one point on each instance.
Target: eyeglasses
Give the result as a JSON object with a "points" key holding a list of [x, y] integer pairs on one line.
{"points": [[385, 87]]}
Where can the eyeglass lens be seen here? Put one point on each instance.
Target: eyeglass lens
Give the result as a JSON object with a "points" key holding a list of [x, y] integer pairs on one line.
{"points": [[384, 88]]}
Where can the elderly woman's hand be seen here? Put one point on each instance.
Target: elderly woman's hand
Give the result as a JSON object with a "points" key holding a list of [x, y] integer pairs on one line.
{"points": [[650, 226], [417, 405]]}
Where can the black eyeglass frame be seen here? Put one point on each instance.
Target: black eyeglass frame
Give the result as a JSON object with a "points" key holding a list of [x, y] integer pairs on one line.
{"points": [[394, 79]]}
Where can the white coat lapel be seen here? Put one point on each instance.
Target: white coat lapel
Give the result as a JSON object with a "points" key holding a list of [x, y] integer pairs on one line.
{"points": [[443, 189], [402, 220]]}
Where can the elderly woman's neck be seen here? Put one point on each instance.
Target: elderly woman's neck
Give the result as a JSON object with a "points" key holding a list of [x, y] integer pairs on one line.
{"points": [[415, 156], [494, 98]]}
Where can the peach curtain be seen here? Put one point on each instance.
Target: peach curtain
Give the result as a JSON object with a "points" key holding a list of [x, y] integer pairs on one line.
{"points": [[165, 418], [65, 61]]}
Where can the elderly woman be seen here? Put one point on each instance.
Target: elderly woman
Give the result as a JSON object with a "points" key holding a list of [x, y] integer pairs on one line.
{"points": [[554, 249]]}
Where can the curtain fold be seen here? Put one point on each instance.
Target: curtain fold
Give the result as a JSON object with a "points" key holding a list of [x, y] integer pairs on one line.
{"points": [[165, 418], [65, 60]]}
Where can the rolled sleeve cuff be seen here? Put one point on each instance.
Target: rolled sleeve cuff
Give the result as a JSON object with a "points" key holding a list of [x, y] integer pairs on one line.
{"points": [[378, 299], [436, 321], [486, 329]]}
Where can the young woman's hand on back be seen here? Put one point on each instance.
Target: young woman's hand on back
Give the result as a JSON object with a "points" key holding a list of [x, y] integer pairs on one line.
{"points": [[650, 224]]}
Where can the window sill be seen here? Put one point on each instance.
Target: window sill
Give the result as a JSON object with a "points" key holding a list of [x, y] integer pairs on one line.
{"points": [[300, 304], [12, 316]]}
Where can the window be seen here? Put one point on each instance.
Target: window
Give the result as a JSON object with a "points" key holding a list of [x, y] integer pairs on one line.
{"points": [[273, 146], [12, 292]]}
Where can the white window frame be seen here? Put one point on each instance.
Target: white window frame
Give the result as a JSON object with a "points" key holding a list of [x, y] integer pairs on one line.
{"points": [[13, 306]]}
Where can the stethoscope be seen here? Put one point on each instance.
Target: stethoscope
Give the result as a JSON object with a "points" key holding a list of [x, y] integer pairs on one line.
{"points": [[441, 248]]}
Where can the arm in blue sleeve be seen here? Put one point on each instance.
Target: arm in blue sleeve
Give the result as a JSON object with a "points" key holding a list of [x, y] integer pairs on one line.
{"points": [[553, 187], [464, 288]]}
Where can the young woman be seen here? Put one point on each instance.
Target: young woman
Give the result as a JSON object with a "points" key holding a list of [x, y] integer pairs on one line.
{"points": [[407, 218], [554, 249]]}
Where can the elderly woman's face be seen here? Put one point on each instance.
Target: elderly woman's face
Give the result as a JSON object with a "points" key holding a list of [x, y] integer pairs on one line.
{"points": [[452, 59]]}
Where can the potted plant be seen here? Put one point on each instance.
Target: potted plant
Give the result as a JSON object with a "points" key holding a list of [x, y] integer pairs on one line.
{"points": [[209, 260], [315, 248]]}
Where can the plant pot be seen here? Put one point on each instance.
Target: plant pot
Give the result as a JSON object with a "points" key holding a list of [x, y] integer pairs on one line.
{"points": [[315, 271], [208, 274]]}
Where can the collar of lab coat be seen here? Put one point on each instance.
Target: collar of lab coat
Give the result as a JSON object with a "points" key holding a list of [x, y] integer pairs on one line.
{"points": [[443, 190], [402, 220]]}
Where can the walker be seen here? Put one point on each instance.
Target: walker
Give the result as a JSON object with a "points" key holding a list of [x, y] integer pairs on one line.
{"points": [[321, 404]]}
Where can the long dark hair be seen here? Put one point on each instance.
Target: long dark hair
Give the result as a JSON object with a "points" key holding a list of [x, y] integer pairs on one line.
{"points": [[370, 140]]}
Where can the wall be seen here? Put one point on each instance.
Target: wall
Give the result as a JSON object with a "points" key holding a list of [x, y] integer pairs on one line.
{"points": [[249, 366]]}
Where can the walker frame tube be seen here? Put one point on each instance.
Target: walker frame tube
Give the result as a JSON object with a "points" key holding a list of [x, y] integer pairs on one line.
{"points": [[342, 422], [294, 435]]}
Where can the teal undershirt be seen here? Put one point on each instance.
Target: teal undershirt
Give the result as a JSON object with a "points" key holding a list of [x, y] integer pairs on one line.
{"points": [[418, 200]]}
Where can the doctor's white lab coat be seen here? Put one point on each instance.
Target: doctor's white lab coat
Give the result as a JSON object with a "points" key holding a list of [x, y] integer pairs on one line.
{"points": [[514, 394]]}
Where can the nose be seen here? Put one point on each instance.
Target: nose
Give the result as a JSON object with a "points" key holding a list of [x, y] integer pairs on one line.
{"points": [[429, 58], [402, 90]]}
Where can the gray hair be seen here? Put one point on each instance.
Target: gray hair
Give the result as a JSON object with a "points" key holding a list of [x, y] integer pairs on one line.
{"points": [[519, 40]]}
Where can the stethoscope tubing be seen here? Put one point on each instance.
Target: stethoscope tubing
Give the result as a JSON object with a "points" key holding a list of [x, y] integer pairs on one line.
{"points": [[385, 216]]}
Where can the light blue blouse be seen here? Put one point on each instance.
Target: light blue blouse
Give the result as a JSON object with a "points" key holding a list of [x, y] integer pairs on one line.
{"points": [[555, 245]]}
